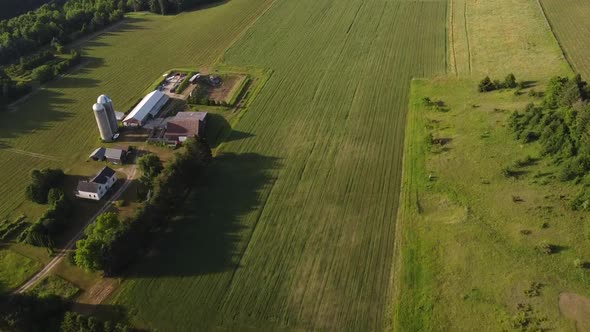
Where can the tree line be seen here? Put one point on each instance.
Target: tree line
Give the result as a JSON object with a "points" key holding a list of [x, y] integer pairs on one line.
{"points": [[110, 244], [12, 8], [45, 189], [29, 32], [28, 313], [561, 125]]}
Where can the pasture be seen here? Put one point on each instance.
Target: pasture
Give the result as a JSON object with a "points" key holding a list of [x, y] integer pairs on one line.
{"points": [[468, 246], [569, 21], [293, 225]]}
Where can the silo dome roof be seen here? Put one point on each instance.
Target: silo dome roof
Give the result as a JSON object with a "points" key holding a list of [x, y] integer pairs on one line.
{"points": [[103, 99], [97, 107]]}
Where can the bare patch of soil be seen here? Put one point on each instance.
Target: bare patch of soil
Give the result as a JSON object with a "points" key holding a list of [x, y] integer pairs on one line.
{"points": [[576, 308]]}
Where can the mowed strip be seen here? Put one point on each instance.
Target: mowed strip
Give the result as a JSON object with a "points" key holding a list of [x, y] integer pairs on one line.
{"points": [[121, 62], [500, 37], [294, 226]]}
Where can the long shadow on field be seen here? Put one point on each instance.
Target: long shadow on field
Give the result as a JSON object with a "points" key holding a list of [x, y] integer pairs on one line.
{"points": [[219, 131], [207, 6], [210, 234], [34, 114]]}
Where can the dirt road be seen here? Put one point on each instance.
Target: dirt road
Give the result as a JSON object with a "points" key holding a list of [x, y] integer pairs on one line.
{"points": [[70, 245]]}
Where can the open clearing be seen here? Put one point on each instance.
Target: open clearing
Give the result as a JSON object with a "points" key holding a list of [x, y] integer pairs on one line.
{"points": [[293, 226]]}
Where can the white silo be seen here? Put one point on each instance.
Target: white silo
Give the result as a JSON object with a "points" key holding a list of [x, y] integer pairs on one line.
{"points": [[102, 120], [110, 110]]}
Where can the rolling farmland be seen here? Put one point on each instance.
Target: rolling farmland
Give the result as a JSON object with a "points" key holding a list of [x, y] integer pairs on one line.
{"points": [[569, 20], [55, 126], [294, 225]]}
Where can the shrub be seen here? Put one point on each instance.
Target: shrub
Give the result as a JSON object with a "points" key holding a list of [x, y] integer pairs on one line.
{"points": [[43, 73], [510, 81], [545, 248], [41, 182], [533, 290], [120, 203]]}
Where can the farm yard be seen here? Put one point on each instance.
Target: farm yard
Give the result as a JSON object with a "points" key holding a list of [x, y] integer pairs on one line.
{"points": [[313, 185]]}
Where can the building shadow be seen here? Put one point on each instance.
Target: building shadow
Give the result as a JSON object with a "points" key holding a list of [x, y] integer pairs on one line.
{"points": [[203, 237], [219, 130]]}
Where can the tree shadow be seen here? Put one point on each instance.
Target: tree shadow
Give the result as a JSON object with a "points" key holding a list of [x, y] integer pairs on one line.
{"points": [[206, 6], [203, 238], [18, 120]]}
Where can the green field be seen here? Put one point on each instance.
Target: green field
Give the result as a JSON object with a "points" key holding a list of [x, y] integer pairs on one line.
{"points": [[293, 225], [569, 20], [15, 269], [499, 37]]}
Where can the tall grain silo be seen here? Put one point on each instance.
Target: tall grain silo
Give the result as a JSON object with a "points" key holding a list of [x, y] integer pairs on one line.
{"points": [[102, 120], [108, 105]]}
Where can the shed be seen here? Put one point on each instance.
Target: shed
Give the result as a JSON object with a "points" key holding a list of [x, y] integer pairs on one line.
{"points": [[115, 156]]}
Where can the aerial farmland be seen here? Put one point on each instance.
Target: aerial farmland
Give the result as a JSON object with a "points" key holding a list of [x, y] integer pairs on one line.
{"points": [[362, 168]]}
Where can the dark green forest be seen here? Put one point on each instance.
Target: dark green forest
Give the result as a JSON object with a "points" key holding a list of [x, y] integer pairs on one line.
{"points": [[12, 8]]}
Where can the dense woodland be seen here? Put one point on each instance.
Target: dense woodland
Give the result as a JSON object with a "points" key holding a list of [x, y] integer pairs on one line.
{"points": [[561, 124], [12, 8]]}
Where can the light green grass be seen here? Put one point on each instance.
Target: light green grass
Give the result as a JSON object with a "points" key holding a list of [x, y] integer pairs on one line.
{"points": [[500, 37], [58, 122], [569, 19], [15, 269], [294, 223], [55, 285], [465, 263]]}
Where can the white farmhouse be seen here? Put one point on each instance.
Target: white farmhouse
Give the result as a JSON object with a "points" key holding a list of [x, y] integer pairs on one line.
{"points": [[98, 186]]}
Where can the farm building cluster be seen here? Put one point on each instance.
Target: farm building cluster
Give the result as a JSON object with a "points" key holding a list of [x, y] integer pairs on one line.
{"points": [[146, 117]]}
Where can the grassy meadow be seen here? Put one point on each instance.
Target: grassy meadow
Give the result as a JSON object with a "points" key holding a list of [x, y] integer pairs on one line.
{"points": [[469, 248], [294, 224]]}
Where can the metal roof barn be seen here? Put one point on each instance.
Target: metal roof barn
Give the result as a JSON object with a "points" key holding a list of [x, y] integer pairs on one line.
{"points": [[150, 105]]}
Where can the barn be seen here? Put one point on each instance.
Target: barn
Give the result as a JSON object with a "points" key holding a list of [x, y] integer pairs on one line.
{"points": [[185, 125], [147, 108]]}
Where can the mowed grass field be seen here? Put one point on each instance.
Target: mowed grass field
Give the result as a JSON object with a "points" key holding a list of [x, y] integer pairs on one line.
{"points": [[55, 126], [293, 226], [500, 37], [569, 20]]}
